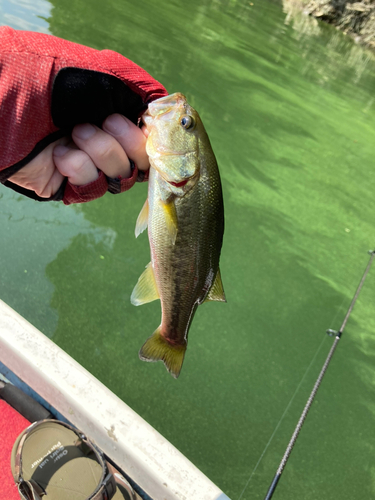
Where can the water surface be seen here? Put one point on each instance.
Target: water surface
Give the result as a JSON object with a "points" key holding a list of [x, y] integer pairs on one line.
{"points": [[288, 105]]}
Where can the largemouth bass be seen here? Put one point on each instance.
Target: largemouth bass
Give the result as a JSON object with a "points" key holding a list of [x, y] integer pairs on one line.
{"points": [[185, 217]]}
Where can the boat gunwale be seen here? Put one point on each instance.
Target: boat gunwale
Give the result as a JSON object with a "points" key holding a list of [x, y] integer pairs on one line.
{"points": [[136, 447]]}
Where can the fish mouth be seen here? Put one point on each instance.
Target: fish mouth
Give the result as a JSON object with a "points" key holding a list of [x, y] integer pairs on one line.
{"points": [[165, 104]]}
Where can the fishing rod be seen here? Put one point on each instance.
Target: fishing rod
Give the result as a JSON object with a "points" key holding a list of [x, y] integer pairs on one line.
{"points": [[337, 335]]}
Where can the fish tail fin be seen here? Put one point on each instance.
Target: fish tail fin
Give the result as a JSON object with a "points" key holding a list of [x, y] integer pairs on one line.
{"points": [[158, 348]]}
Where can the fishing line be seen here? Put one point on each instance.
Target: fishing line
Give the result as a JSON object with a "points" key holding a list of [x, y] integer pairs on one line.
{"points": [[290, 402], [311, 398], [282, 416]]}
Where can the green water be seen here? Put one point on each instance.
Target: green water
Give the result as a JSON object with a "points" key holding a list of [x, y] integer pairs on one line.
{"points": [[289, 108]]}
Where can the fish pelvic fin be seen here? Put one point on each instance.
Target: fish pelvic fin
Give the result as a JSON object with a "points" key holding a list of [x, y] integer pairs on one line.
{"points": [[145, 290], [170, 215], [142, 220], [217, 290], [158, 348]]}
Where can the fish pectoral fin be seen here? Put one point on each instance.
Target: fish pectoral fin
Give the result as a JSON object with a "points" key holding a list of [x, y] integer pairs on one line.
{"points": [[216, 291], [170, 215], [158, 348], [142, 220], [145, 290]]}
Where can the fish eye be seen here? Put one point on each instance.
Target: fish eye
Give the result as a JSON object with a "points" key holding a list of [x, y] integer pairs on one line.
{"points": [[187, 122]]}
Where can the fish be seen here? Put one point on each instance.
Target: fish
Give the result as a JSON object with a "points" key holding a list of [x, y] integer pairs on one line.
{"points": [[184, 213]]}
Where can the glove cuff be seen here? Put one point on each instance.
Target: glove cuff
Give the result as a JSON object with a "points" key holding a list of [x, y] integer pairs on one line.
{"points": [[98, 187]]}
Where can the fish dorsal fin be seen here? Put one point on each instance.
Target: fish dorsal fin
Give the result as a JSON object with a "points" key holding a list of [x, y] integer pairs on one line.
{"points": [[145, 290], [170, 215], [142, 219], [217, 291]]}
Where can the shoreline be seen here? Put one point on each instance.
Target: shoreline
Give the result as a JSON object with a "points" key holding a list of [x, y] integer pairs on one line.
{"points": [[356, 19]]}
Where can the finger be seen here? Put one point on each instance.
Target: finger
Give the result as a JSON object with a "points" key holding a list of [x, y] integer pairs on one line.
{"points": [[131, 138], [40, 174], [104, 150], [75, 164]]}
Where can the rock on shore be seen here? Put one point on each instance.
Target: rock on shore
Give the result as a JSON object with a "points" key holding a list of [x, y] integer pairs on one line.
{"points": [[354, 18]]}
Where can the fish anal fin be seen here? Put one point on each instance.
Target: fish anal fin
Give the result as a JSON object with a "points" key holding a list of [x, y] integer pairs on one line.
{"points": [[170, 215], [142, 220], [216, 291], [145, 290], [158, 348]]}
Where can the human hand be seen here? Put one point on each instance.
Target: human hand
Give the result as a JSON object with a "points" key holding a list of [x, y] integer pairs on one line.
{"points": [[80, 157], [50, 91]]}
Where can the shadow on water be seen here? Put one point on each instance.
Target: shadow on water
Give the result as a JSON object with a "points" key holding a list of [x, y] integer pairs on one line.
{"points": [[102, 311]]}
